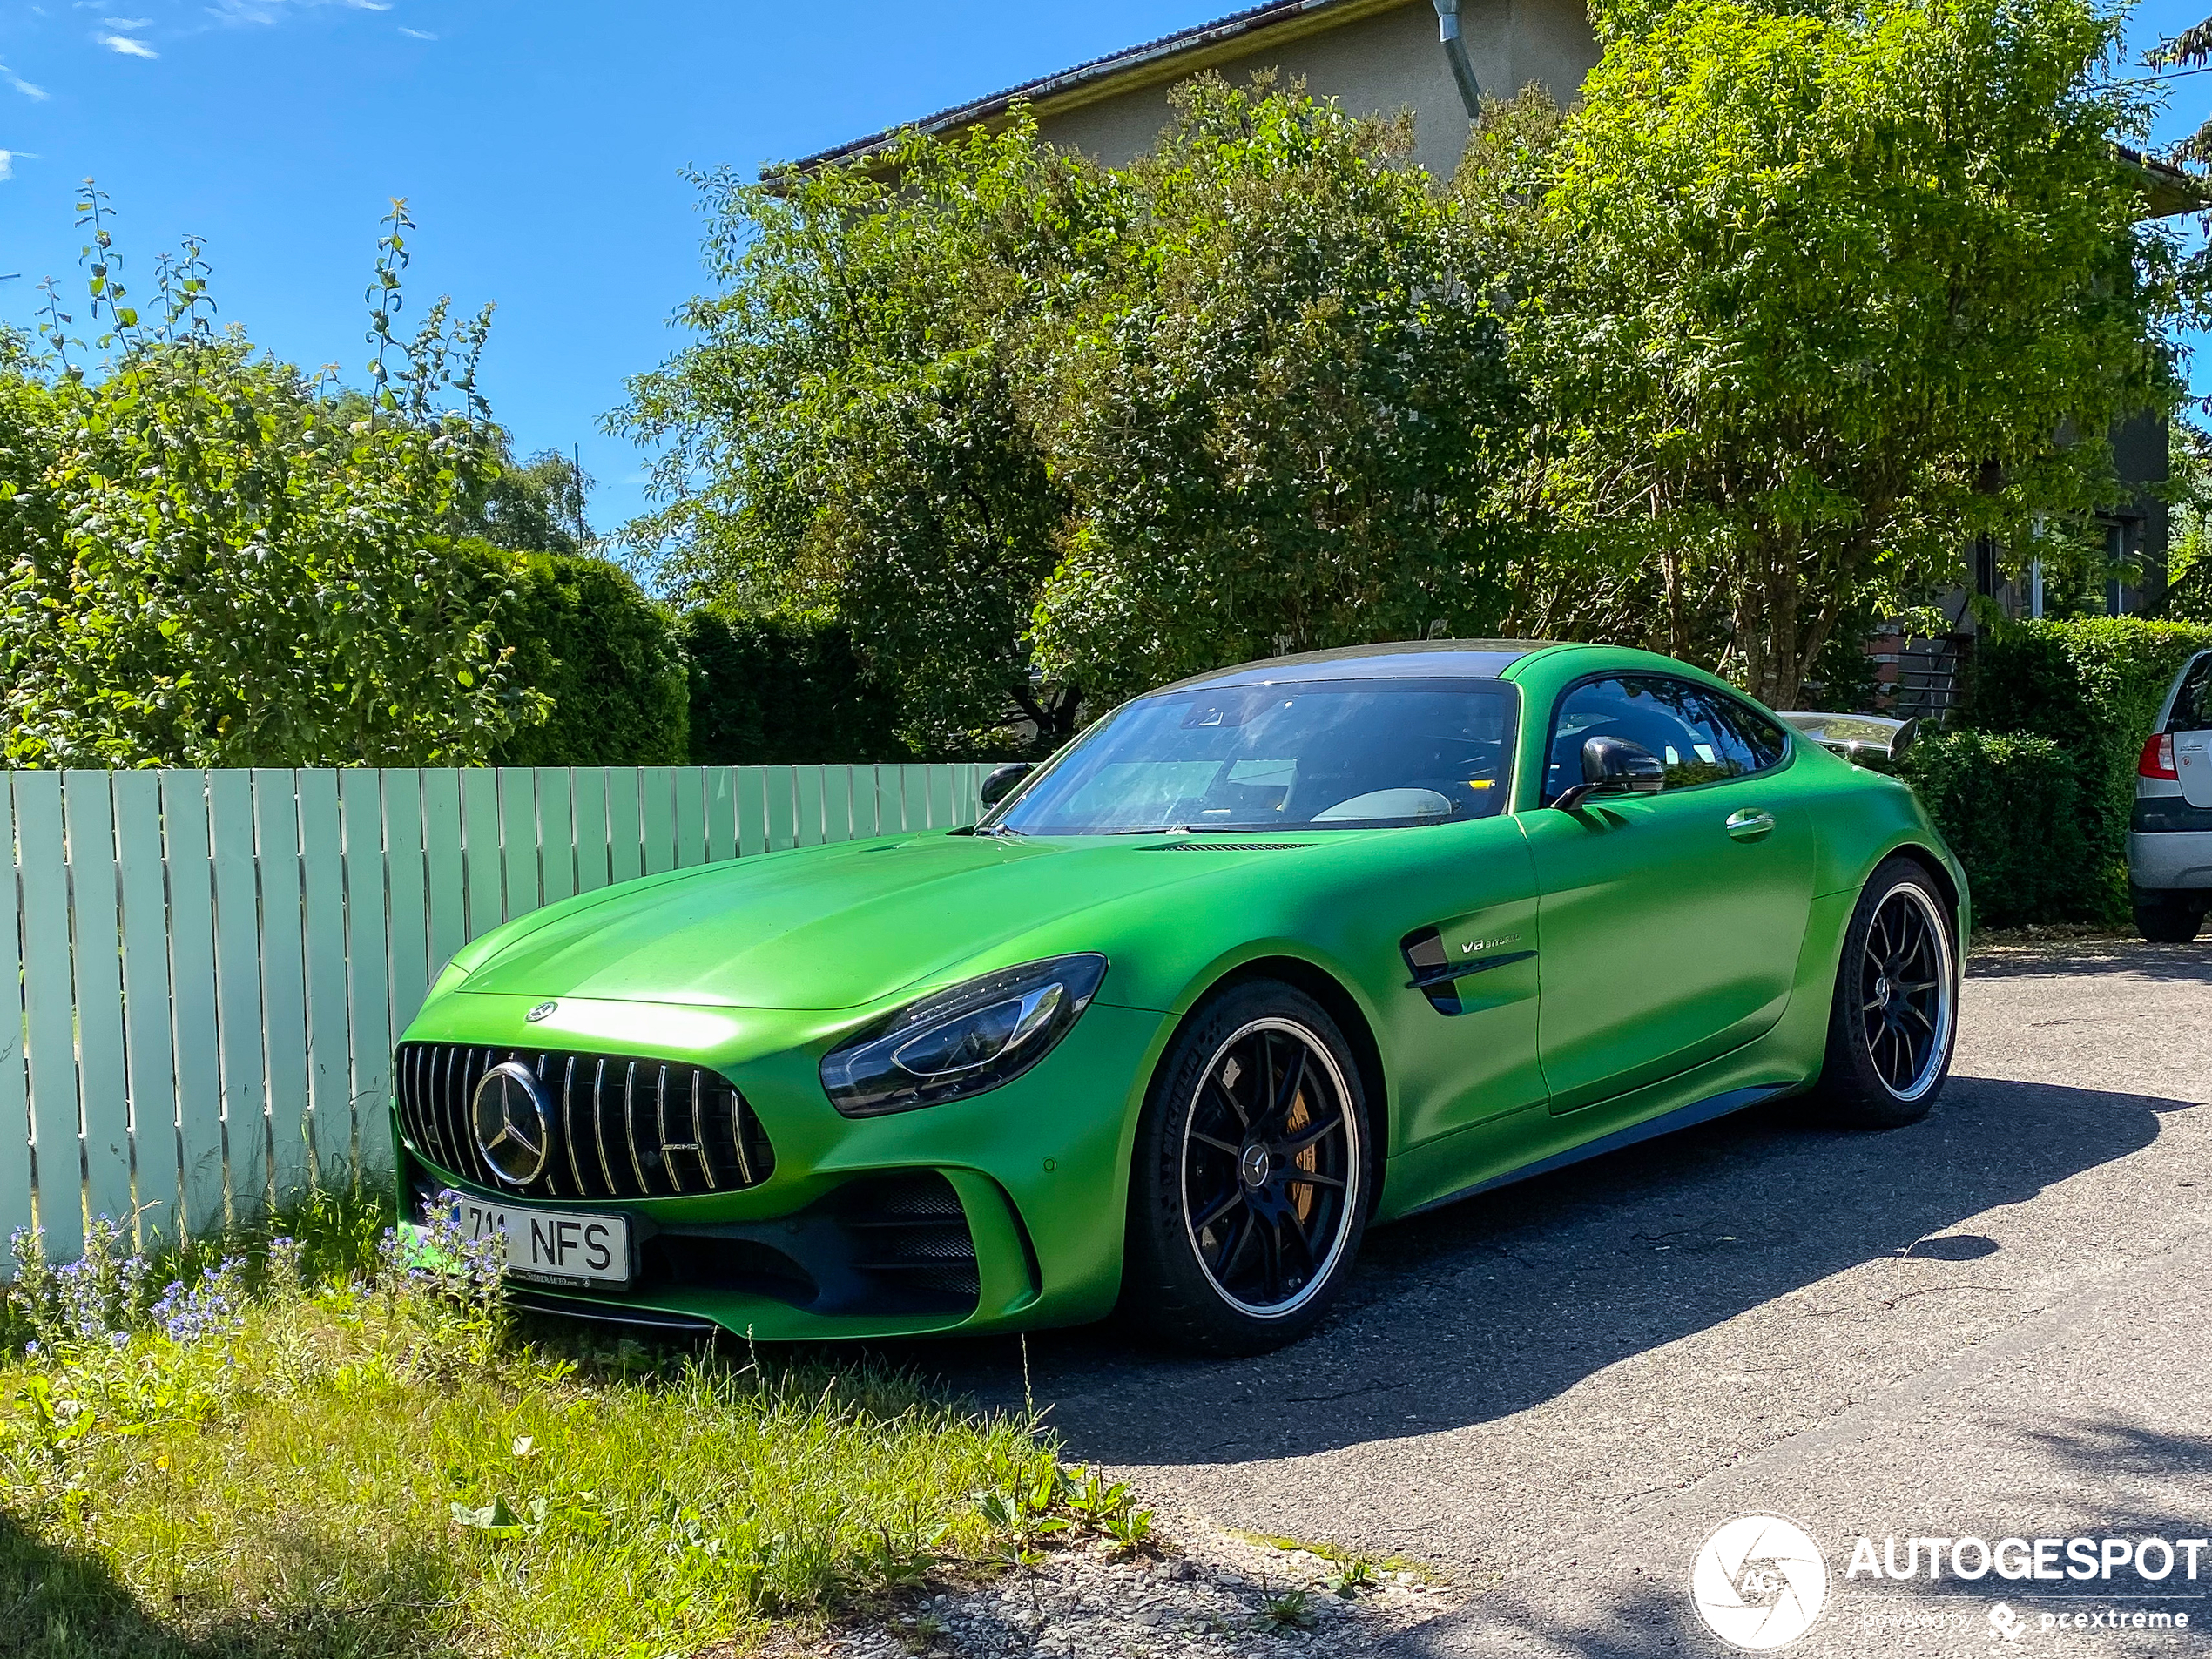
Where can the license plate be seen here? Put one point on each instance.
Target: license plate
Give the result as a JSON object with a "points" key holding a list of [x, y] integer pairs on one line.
{"points": [[556, 1246]]}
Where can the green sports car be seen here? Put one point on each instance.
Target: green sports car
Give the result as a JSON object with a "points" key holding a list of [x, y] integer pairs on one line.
{"points": [[1258, 961]]}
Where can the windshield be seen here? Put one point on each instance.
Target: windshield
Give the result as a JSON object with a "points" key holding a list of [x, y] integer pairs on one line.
{"points": [[1311, 755]]}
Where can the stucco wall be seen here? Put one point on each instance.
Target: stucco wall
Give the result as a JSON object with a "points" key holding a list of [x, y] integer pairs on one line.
{"points": [[1378, 65]]}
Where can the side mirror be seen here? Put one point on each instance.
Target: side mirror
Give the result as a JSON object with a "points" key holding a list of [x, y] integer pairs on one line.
{"points": [[1614, 766], [999, 782]]}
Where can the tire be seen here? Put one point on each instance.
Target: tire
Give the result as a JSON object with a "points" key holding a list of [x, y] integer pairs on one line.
{"points": [[1229, 1252], [2168, 918], [1894, 1019]]}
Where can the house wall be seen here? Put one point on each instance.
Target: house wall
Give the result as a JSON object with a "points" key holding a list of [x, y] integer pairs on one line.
{"points": [[2141, 456], [1376, 65]]}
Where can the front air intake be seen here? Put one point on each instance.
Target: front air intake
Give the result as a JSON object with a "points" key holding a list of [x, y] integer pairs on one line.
{"points": [[622, 1127]]}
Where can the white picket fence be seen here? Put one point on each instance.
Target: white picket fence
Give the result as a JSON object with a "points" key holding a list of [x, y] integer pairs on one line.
{"points": [[213, 966]]}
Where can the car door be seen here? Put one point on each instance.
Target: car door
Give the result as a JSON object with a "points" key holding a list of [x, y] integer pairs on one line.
{"points": [[1670, 922], [2190, 725]]}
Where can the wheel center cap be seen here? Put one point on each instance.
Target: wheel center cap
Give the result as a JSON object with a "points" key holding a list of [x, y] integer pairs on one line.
{"points": [[1881, 993], [1253, 1165]]}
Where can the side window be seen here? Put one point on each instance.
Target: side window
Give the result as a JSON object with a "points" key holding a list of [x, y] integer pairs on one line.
{"points": [[1708, 750], [1699, 736], [2193, 704], [1655, 714], [1763, 739]]}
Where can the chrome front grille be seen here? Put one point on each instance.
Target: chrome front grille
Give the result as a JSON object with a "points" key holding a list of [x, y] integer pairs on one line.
{"points": [[622, 1127]]}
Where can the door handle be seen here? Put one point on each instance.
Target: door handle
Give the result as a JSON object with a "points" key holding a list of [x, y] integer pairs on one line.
{"points": [[1749, 825]]}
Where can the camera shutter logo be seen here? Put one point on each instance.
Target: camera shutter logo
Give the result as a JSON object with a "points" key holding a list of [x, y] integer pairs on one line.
{"points": [[1759, 1582], [514, 1129]]}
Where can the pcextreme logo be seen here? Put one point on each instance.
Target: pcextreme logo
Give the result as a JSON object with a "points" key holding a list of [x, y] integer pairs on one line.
{"points": [[1759, 1582]]}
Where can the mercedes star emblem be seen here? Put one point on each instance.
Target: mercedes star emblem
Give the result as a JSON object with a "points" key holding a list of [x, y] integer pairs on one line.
{"points": [[514, 1129]]}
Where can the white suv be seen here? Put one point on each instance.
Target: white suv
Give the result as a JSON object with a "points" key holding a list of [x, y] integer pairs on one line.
{"points": [[2170, 838]]}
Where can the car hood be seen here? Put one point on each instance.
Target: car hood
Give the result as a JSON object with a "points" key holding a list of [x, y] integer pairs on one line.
{"points": [[834, 926]]}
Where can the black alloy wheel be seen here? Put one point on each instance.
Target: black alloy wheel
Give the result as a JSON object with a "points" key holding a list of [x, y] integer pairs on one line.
{"points": [[1252, 1175], [1905, 991], [1895, 1014], [1271, 1158]]}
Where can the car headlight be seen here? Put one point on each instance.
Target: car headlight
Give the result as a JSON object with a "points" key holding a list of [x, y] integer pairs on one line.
{"points": [[963, 1041]]}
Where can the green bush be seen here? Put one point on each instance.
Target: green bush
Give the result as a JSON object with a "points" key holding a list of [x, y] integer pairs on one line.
{"points": [[2011, 808], [2092, 687], [770, 692], [585, 637]]}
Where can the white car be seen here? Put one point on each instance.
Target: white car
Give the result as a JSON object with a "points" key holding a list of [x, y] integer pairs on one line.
{"points": [[2169, 837]]}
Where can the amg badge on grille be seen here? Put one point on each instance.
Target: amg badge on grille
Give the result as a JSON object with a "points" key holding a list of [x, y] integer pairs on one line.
{"points": [[514, 1128]]}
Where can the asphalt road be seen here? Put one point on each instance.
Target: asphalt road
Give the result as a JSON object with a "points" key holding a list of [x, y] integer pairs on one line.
{"points": [[1992, 1324]]}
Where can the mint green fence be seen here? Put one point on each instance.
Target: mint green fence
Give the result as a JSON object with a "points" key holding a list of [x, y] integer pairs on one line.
{"points": [[213, 966]]}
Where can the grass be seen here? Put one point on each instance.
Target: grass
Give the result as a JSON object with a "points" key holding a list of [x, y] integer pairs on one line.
{"points": [[336, 1449]]}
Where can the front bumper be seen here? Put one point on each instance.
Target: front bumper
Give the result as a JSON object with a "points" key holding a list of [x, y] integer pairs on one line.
{"points": [[1004, 1211]]}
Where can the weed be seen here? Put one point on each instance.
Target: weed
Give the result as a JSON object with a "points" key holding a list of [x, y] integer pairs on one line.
{"points": [[1131, 1530], [1021, 1512], [1287, 1610], [1105, 1507], [1353, 1573]]}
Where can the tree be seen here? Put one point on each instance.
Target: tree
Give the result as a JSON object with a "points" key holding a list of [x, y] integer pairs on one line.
{"points": [[533, 505], [1278, 400], [1042, 433], [2189, 560], [207, 563], [1821, 295], [2190, 50], [840, 439], [605, 658]]}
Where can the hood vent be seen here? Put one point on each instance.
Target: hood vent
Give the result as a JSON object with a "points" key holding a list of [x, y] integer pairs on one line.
{"points": [[1232, 846]]}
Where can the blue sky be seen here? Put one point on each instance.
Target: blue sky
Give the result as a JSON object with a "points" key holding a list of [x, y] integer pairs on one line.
{"points": [[540, 147]]}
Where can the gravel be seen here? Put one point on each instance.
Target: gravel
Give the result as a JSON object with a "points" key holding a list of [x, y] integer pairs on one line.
{"points": [[1213, 1593]]}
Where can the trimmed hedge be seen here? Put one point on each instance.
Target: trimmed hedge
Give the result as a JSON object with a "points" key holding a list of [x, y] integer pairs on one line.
{"points": [[767, 690], [2011, 808], [586, 636], [2092, 687]]}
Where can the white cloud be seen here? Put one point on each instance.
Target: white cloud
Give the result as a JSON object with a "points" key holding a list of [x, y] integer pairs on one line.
{"points": [[415, 34], [127, 46], [128, 23], [268, 11], [21, 84], [6, 164]]}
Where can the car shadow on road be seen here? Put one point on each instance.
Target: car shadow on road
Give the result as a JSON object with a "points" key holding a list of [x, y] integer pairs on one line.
{"points": [[1495, 1305]]}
